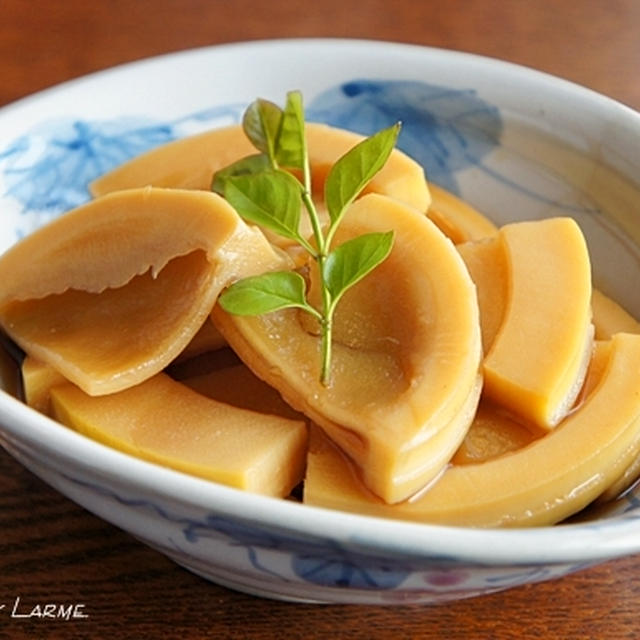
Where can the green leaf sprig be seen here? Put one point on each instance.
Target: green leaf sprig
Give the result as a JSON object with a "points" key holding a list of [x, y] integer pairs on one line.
{"points": [[263, 191]]}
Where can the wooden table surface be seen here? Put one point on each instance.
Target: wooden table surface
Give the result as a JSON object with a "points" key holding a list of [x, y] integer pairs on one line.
{"points": [[129, 591]]}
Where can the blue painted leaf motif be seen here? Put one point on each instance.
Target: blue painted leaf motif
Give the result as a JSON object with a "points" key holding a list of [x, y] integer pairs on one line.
{"points": [[16, 147], [315, 560], [342, 568], [72, 154], [49, 168], [445, 130]]}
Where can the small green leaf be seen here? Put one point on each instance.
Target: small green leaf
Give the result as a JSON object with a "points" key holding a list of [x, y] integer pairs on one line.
{"points": [[261, 123], [351, 173], [290, 145], [264, 293], [243, 167], [270, 199], [353, 260]]}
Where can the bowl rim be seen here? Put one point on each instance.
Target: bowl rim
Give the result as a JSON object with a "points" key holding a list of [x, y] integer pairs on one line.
{"points": [[485, 62], [578, 542]]}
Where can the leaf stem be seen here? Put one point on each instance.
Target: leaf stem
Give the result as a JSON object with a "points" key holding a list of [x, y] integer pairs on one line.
{"points": [[326, 324], [325, 374], [315, 223], [320, 256]]}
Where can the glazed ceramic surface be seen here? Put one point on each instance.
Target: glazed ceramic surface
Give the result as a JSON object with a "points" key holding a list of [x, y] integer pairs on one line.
{"points": [[515, 143]]}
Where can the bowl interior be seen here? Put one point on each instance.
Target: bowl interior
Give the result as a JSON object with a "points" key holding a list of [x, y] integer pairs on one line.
{"points": [[515, 143]]}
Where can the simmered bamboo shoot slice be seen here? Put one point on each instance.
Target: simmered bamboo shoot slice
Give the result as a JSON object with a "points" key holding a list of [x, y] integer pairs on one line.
{"points": [[538, 359], [110, 293], [550, 479], [238, 386], [487, 265], [493, 433], [163, 421], [610, 318], [486, 261], [207, 339], [38, 379], [187, 163], [624, 482], [399, 402], [456, 218], [190, 163]]}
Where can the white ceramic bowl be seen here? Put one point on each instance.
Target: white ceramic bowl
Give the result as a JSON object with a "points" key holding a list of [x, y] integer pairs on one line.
{"points": [[516, 143]]}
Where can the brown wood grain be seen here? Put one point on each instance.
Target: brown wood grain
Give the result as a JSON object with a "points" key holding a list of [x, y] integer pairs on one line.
{"points": [[592, 42], [53, 551]]}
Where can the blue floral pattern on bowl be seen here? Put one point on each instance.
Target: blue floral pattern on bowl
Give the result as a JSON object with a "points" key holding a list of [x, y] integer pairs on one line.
{"points": [[49, 169], [445, 130]]}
